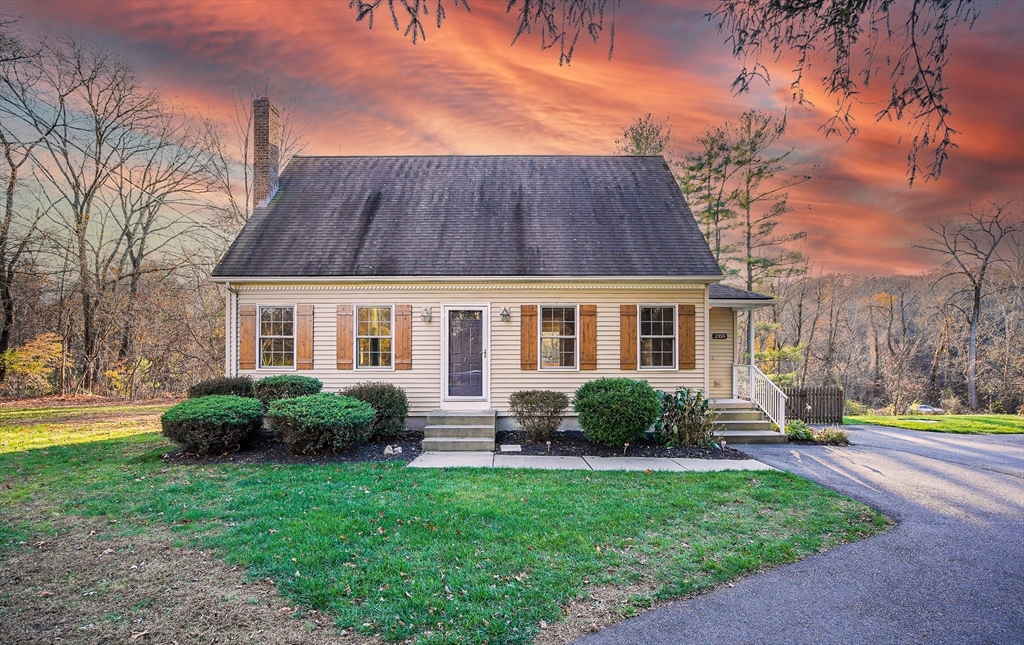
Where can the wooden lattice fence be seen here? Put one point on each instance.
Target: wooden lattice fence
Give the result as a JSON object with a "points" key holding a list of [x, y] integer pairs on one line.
{"points": [[815, 404]]}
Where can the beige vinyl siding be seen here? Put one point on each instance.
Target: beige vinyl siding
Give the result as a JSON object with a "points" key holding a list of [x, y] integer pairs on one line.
{"points": [[722, 352], [423, 382]]}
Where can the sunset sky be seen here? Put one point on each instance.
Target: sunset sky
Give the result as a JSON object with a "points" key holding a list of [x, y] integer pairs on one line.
{"points": [[466, 91]]}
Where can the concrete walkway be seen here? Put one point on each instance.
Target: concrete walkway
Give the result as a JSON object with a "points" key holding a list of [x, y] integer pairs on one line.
{"points": [[545, 462], [951, 571]]}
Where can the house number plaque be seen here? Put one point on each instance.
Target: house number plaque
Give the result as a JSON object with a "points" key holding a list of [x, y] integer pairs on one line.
{"points": [[719, 336]]}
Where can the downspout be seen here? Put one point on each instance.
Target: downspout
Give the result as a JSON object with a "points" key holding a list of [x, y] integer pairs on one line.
{"points": [[230, 331]]}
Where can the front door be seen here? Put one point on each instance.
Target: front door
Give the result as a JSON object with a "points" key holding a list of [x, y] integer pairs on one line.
{"points": [[466, 361]]}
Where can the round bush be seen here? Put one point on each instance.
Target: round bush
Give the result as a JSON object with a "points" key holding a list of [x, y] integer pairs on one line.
{"points": [[388, 401], [234, 386], [538, 412], [319, 423], [615, 411], [212, 424], [285, 386]]}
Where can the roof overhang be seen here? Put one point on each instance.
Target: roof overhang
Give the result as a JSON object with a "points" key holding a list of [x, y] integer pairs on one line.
{"points": [[693, 279], [742, 303]]}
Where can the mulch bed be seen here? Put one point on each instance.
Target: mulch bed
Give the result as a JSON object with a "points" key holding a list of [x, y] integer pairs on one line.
{"points": [[572, 443], [267, 449]]}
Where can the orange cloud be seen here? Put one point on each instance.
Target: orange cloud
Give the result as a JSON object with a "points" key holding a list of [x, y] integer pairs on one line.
{"points": [[466, 90]]}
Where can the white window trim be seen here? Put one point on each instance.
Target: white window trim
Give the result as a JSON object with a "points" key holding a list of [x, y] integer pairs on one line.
{"points": [[259, 337], [355, 337], [675, 338], [540, 329]]}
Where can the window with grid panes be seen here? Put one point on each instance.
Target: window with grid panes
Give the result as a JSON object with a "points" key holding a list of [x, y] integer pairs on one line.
{"points": [[373, 336], [557, 337], [657, 337], [277, 336]]}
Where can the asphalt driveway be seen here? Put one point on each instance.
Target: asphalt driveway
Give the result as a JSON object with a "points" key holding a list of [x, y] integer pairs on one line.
{"points": [[951, 571]]}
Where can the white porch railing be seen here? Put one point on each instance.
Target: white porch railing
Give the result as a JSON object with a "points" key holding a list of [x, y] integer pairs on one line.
{"points": [[750, 383]]}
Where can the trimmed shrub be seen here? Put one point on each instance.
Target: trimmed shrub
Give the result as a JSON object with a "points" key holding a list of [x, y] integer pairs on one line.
{"points": [[615, 411], [319, 423], [231, 386], [539, 412], [799, 431], [285, 386], [212, 424], [388, 401], [687, 418]]}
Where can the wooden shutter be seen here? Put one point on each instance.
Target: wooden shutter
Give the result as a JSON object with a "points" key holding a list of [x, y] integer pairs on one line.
{"points": [[247, 337], [528, 337], [687, 337], [403, 337], [588, 337], [345, 339], [304, 337], [627, 337]]}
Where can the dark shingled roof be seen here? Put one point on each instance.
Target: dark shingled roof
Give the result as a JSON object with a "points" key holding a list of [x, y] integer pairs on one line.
{"points": [[472, 216], [725, 292]]}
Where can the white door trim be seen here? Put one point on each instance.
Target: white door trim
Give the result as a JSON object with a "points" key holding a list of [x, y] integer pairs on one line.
{"points": [[465, 402]]}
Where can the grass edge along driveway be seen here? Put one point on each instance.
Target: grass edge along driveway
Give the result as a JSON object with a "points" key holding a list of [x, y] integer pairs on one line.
{"points": [[440, 556], [954, 423]]}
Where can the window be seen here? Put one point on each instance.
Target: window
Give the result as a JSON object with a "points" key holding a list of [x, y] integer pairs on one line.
{"points": [[657, 337], [277, 337], [373, 336], [557, 337]]}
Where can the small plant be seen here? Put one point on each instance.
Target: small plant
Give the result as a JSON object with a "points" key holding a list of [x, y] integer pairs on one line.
{"points": [[832, 436], [212, 424], [321, 423], [799, 431], [615, 411], [388, 401], [538, 412], [284, 386], [687, 418], [228, 385]]}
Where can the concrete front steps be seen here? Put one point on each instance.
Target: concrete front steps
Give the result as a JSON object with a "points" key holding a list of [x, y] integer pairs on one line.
{"points": [[450, 431], [741, 421]]}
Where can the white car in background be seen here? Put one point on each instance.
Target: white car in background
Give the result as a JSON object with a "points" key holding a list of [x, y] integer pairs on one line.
{"points": [[927, 409]]}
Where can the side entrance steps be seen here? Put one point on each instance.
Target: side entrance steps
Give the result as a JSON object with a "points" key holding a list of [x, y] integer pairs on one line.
{"points": [[450, 431], [741, 421]]}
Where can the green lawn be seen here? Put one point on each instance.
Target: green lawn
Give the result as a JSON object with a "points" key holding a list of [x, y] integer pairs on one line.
{"points": [[958, 423], [454, 556]]}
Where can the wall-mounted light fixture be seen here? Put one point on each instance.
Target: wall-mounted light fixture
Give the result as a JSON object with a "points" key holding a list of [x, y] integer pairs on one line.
{"points": [[426, 315], [506, 315]]}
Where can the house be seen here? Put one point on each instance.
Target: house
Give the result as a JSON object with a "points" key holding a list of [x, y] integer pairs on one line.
{"points": [[465, 278]]}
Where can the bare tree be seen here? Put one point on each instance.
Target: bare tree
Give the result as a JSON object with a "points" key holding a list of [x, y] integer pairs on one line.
{"points": [[158, 194], [232, 147], [99, 107], [972, 246], [21, 132]]}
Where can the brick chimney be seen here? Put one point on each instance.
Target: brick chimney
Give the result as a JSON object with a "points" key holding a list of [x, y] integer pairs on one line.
{"points": [[266, 150]]}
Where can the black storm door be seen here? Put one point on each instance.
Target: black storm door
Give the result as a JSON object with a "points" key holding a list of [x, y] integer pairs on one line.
{"points": [[465, 352]]}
